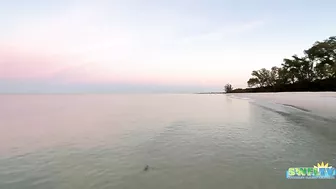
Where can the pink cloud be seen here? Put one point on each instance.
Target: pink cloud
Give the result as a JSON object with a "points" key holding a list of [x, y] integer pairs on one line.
{"points": [[21, 64]]}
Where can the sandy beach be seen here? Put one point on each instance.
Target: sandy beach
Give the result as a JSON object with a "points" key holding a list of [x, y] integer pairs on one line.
{"points": [[319, 103]]}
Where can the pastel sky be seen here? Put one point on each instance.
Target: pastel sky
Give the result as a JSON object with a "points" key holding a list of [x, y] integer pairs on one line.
{"points": [[151, 45]]}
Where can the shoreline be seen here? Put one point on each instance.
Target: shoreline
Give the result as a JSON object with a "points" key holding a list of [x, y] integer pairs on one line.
{"points": [[320, 103], [328, 85], [256, 92]]}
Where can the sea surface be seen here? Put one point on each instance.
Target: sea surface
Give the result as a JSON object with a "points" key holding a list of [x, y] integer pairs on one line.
{"points": [[188, 141]]}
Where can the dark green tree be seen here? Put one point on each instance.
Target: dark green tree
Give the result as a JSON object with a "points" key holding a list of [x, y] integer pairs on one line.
{"points": [[263, 77], [253, 82], [315, 70], [274, 75], [284, 77], [323, 56], [299, 69], [228, 88]]}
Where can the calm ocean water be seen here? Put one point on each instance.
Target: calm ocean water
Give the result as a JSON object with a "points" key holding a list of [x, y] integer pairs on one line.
{"points": [[188, 142]]}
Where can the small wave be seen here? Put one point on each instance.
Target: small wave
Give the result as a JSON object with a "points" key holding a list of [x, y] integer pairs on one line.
{"points": [[297, 107], [238, 97], [274, 107], [293, 111]]}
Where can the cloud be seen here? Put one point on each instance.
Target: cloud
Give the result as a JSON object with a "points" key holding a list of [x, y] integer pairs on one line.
{"points": [[15, 63], [114, 44]]}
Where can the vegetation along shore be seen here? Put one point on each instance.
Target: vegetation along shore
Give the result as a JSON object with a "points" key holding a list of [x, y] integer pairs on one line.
{"points": [[314, 71]]}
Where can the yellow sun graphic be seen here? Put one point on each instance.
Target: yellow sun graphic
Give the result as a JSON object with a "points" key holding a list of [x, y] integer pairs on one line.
{"points": [[322, 165]]}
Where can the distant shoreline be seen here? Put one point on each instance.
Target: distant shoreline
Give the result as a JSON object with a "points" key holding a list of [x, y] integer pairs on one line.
{"points": [[325, 85], [263, 92], [315, 71]]}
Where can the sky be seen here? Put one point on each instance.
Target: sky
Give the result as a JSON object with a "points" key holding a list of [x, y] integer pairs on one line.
{"points": [[151, 45]]}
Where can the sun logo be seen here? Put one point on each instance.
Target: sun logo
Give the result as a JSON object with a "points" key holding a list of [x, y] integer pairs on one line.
{"points": [[322, 165]]}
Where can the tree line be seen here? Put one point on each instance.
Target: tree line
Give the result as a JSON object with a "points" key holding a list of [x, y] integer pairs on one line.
{"points": [[314, 71]]}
